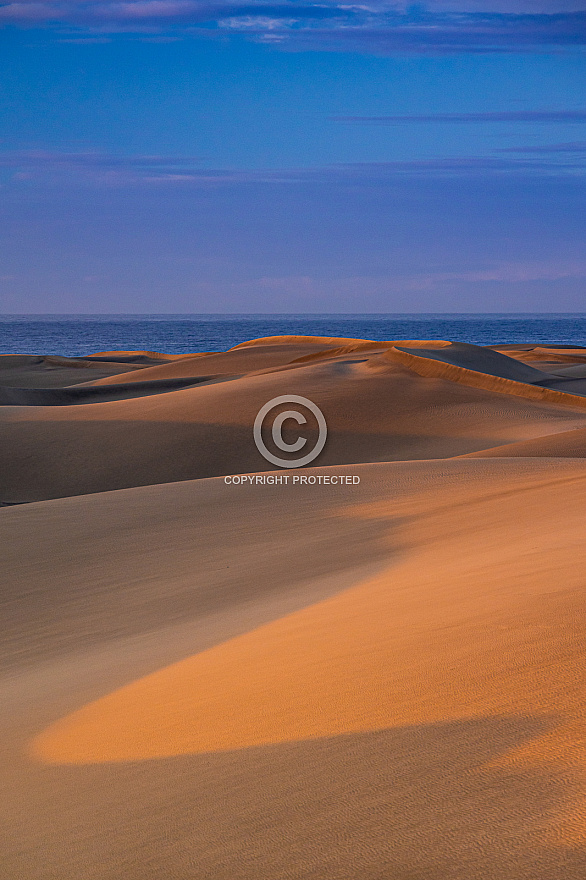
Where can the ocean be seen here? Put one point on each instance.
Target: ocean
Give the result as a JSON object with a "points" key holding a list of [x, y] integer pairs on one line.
{"points": [[77, 335]]}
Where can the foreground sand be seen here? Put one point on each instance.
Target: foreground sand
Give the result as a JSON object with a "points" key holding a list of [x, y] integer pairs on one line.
{"points": [[383, 680]]}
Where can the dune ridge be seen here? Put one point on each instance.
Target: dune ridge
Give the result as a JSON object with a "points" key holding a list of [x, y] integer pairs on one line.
{"points": [[428, 367]]}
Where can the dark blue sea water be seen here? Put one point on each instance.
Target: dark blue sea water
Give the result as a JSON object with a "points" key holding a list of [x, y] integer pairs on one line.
{"points": [[75, 335]]}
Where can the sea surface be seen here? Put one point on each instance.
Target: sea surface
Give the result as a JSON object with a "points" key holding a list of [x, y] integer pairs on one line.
{"points": [[76, 335]]}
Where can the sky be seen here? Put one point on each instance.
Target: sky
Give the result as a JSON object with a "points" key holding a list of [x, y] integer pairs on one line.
{"points": [[177, 156]]}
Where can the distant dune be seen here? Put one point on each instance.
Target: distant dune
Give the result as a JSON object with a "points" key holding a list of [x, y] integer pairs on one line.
{"points": [[190, 417], [384, 679]]}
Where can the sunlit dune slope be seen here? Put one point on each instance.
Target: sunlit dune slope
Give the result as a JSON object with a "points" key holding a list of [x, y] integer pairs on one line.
{"points": [[384, 679], [376, 655]]}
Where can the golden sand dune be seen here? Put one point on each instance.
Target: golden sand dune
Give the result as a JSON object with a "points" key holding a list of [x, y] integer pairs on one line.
{"points": [[376, 655], [378, 679], [384, 402], [230, 363], [142, 358], [544, 354], [185, 701]]}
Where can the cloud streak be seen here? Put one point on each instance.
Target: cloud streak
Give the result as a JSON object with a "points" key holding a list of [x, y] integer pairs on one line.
{"points": [[574, 147], [95, 167], [50, 158], [560, 116], [373, 26], [116, 170]]}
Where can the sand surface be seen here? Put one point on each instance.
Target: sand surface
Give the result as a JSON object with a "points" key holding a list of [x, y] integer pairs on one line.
{"points": [[383, 679]]}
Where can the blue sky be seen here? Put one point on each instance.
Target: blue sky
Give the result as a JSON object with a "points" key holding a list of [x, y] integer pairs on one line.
{"points": [[178, 156]]}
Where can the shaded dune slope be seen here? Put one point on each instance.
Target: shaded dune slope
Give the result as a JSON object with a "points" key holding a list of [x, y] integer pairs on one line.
{"points": [[479, 360], [49, 371], [93, 393]]}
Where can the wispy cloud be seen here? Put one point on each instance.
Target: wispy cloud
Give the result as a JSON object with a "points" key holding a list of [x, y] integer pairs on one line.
{"points": [[505, 272], [377, 26], [507, 116], [344, 289], [574, 147], [90, 159], [95, 167], [112, 170]]}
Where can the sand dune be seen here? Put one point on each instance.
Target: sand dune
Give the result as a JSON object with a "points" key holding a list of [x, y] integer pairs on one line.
{"points": [[544, 354], [472, 372], [27, 371], [142, 358], [187, 706], [231, 363], [382, 403], [93, 392], [382, 679], [480, 360]]}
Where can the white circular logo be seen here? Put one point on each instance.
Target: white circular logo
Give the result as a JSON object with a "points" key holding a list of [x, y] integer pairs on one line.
{"points": [[277, 431]]}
